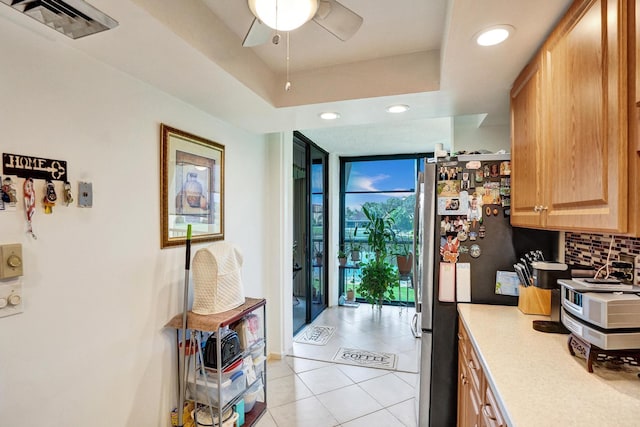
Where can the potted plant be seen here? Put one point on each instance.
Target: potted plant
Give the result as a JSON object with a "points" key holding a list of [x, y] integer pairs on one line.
{"points": [[378, 277], [342, 257], [351, 295], [404, 257]]}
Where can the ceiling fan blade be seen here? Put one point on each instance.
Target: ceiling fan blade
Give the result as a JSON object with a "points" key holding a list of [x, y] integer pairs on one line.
{"points": [[258, 34], [338, 19]]}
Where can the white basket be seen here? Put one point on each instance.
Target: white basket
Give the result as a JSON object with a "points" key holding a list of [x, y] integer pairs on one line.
{"points": [[217, 279]]}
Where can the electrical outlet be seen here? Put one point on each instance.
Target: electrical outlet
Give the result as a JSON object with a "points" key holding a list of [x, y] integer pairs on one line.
{"points": [[630, 273]]}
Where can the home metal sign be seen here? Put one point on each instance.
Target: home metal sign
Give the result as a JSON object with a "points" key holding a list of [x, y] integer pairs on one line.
{"points": [[34, 167]]}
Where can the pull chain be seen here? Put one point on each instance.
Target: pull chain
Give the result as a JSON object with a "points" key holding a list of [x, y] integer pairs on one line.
{"points": [[287, 85], [276, 37]]}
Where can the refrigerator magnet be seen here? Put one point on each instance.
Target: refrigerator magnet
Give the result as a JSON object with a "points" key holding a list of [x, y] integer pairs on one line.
{"points": [[475, 251], [463, 282], [474, 164], [505, 168], [472, 236], [454, 205], [482, 231], [449, 188], [447, 288], [449, 249]]}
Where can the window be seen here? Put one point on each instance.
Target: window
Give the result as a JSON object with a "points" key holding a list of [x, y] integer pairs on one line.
{"points": [[383, 184]]}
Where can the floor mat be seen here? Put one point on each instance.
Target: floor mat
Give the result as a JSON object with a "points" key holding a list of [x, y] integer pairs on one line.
{"points": [[316, 335], [370, 359]]}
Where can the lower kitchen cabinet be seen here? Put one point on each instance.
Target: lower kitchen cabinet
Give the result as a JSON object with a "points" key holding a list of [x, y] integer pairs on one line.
{"points": [[468, 397], [477, 405]]}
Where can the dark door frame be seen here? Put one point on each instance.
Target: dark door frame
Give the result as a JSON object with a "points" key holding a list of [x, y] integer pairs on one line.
{"points": [[309, 255]]}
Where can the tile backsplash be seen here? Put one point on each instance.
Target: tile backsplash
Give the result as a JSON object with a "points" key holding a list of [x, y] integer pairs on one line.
{"points": [[592, 249]]}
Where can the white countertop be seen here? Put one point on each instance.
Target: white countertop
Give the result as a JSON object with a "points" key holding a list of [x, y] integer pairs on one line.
{"points": [[538, 382]]}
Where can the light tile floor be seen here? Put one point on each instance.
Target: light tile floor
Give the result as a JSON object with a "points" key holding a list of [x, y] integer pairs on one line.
{"points": [[307, 389]]}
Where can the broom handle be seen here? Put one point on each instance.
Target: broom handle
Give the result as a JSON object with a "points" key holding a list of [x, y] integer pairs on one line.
{"points": [[182, 374]]}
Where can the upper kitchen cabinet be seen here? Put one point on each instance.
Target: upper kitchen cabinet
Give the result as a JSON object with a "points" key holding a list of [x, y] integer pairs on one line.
{"points": [[634, 128], [526, 155], [570, 114]]}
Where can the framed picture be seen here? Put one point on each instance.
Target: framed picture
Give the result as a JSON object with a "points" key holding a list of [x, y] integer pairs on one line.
{"points": [[191, 187]]}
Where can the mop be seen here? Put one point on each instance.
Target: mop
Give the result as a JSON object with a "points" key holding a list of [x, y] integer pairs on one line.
{"points": [[182, 372]]}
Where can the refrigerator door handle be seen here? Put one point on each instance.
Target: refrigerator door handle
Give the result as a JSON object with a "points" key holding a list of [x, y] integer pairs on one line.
{"points": [[417, 242], [415, 326]]}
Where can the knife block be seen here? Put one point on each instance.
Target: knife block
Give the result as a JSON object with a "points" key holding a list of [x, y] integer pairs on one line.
{"points": [[533, 300]]}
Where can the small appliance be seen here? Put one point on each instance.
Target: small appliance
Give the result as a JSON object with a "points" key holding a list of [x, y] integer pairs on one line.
{"points": [[545, 276], [609, 320], [229, 348]]}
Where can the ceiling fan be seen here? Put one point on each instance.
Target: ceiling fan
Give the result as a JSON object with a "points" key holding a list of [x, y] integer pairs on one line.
{"points": [[334, 17]]}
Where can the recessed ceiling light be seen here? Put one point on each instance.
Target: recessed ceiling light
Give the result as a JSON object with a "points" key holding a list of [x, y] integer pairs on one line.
{"points": [[400, 108], [494, 35], [329, 116]]}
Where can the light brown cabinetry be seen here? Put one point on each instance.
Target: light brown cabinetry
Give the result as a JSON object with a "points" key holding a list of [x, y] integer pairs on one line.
{"points": [[526, 147], [477, 406], [570, 116]]}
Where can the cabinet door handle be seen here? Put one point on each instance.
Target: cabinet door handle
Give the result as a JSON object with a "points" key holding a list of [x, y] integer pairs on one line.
{"points": [[544, 208], [537, 208], [460, 337], [489, 415], [471, 365]]}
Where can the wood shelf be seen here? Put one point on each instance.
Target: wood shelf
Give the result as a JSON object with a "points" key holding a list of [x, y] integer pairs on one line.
{"points": [[212, 322]]}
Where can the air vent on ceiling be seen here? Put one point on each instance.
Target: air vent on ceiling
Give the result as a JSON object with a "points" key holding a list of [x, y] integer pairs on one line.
{"points": [[73, 18]]}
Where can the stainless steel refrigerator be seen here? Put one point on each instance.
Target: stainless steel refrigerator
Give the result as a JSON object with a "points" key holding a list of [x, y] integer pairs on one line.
{"points": [[461, 219]]}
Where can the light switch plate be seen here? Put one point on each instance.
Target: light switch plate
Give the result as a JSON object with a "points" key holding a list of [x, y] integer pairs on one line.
{"points": [[8, 293], [10, 261], [85, 194]]}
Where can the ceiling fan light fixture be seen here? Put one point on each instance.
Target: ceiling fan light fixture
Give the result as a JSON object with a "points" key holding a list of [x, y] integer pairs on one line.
{"points": [[291, 14], [329, 115], [494, 35], [398, 108]]}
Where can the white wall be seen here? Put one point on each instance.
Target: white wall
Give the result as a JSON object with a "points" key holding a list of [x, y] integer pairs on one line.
{"points": [[470, 135], [90, 348]]}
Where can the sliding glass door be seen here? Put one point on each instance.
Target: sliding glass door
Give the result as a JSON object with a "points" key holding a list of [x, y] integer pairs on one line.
{"points": [[309, 230]]}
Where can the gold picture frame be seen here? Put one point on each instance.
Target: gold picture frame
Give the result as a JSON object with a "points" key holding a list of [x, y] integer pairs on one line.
{"points": [[191, 187]]}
